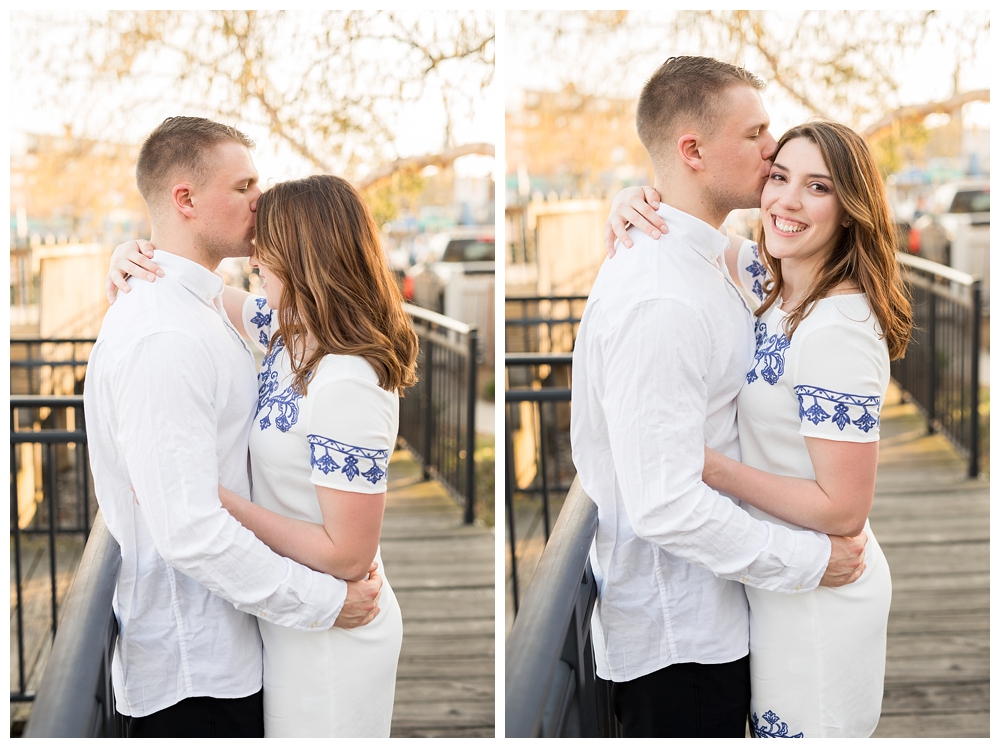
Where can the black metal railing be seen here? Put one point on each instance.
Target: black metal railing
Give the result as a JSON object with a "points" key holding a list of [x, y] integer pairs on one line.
{"points": [[437, 416], [542, 323], [542, 449], [48, 366], [76, 697], [940, 371], [50, 507], [551, 688]]}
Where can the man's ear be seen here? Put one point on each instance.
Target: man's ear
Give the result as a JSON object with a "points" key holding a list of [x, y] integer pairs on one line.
{"points": [[689, 151], [182, 198]]}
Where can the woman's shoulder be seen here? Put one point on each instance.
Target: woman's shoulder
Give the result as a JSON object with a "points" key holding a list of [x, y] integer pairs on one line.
{"points": [[335, 368], [848, 313]]}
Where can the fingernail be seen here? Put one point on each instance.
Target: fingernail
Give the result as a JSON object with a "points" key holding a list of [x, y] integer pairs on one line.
{"points": [[656, 234], [159, 273], [150, 277]]}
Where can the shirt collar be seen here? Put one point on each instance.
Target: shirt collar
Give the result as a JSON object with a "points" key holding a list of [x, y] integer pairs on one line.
{"points": [[707, 240], [198, 279]]}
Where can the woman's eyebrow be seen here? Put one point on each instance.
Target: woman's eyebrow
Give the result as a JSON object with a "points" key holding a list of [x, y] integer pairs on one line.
{"points": [[811, 176]]}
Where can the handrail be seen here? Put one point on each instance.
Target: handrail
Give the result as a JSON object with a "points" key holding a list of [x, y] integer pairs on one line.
{"points": [[438, 319], [942, 271], [538, 359], [75, 699], [562, 589]]}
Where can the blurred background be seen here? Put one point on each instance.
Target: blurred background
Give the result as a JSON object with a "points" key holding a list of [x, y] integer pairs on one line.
{"points": [[399, 103], [916, 85]]}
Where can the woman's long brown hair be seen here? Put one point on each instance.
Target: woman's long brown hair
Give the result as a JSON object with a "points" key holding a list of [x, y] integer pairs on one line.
{"points": [[318, 236], [865, 252]]}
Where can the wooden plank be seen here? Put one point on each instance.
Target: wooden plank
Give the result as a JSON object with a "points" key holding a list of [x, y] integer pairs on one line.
{"points": [[933, 525], [955, 724], [442, 573]]}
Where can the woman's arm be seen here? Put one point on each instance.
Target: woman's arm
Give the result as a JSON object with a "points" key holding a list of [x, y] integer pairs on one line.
{"points": [[836, 503], [134, 259], [233, 300], [343, 546]]}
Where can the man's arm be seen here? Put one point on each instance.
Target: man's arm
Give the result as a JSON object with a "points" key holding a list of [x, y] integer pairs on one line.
{"points": [[656, 406], [167, 431]]}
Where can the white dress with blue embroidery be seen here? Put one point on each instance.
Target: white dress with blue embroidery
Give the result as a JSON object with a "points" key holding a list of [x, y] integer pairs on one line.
{"points": [[817, 659], [338, 682]]}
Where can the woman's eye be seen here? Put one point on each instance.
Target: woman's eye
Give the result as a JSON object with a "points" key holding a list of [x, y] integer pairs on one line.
{"points": [[820, 187]]}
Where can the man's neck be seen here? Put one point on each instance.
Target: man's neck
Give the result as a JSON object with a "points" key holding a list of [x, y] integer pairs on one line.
{"points": [[689, 198], [182, 246]]}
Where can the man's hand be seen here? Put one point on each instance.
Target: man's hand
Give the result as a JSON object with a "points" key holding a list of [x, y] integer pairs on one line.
{"points": [[132, 258], [635, 206], [847, 560], [361, 605]]}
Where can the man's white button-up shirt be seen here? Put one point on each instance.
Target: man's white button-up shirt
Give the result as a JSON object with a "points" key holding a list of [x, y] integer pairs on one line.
{"points": [[664, 346], [169, 398]]}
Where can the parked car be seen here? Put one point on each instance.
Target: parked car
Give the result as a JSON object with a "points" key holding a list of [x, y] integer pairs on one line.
{"points": [[456, 274], [955, 230]]}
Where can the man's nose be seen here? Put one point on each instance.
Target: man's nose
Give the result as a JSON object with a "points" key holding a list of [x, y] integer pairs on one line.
{"points": [[256, 197]]}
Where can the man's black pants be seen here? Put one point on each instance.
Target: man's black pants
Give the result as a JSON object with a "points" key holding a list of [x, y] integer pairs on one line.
{"points": [[689, 700], [203, 717]]}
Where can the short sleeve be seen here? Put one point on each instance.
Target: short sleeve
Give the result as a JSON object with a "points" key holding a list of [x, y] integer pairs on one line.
{"points": [[257, 320], [839, 378], [351, 428], [751, 271]]}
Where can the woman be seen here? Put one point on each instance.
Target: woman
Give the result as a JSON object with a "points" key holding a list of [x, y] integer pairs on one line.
{"points": [[832, 313], [339, 349]]}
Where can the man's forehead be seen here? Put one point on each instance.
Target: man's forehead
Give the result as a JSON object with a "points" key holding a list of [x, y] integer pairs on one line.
{"points": [[747, 107], [232, 160]]}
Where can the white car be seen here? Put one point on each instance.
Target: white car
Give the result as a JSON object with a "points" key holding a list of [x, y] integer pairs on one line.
{"points": [[955, 231], [456, 277]]}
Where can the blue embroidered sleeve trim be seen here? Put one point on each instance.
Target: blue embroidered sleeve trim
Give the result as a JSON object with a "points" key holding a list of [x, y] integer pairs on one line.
{"points": [[774, 728], [842, 405], [321, 458], [770, 354]]}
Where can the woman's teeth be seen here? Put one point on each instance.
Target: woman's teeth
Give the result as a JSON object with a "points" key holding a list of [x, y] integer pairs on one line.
{"points": [[788, 228]]}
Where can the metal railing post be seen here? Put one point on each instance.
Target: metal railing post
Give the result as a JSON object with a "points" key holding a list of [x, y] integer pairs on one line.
{"points": [[977, 309], [932, 378], [470, 434], [429, 406]]}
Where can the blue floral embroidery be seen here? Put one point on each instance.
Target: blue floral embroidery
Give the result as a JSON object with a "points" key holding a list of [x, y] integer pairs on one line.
{"points": [[775, 728], [262, 321], [770, 352], [321, 458], [286, 402], [757, 271], [842, 403]]}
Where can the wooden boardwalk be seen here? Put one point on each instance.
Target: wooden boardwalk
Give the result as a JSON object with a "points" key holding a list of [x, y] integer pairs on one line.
{"points": [[443, 575], [441, 572], [934, 526]]}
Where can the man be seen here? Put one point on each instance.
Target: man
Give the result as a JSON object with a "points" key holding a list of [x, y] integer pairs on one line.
{"points": [[663, 348], [170, 395]]}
